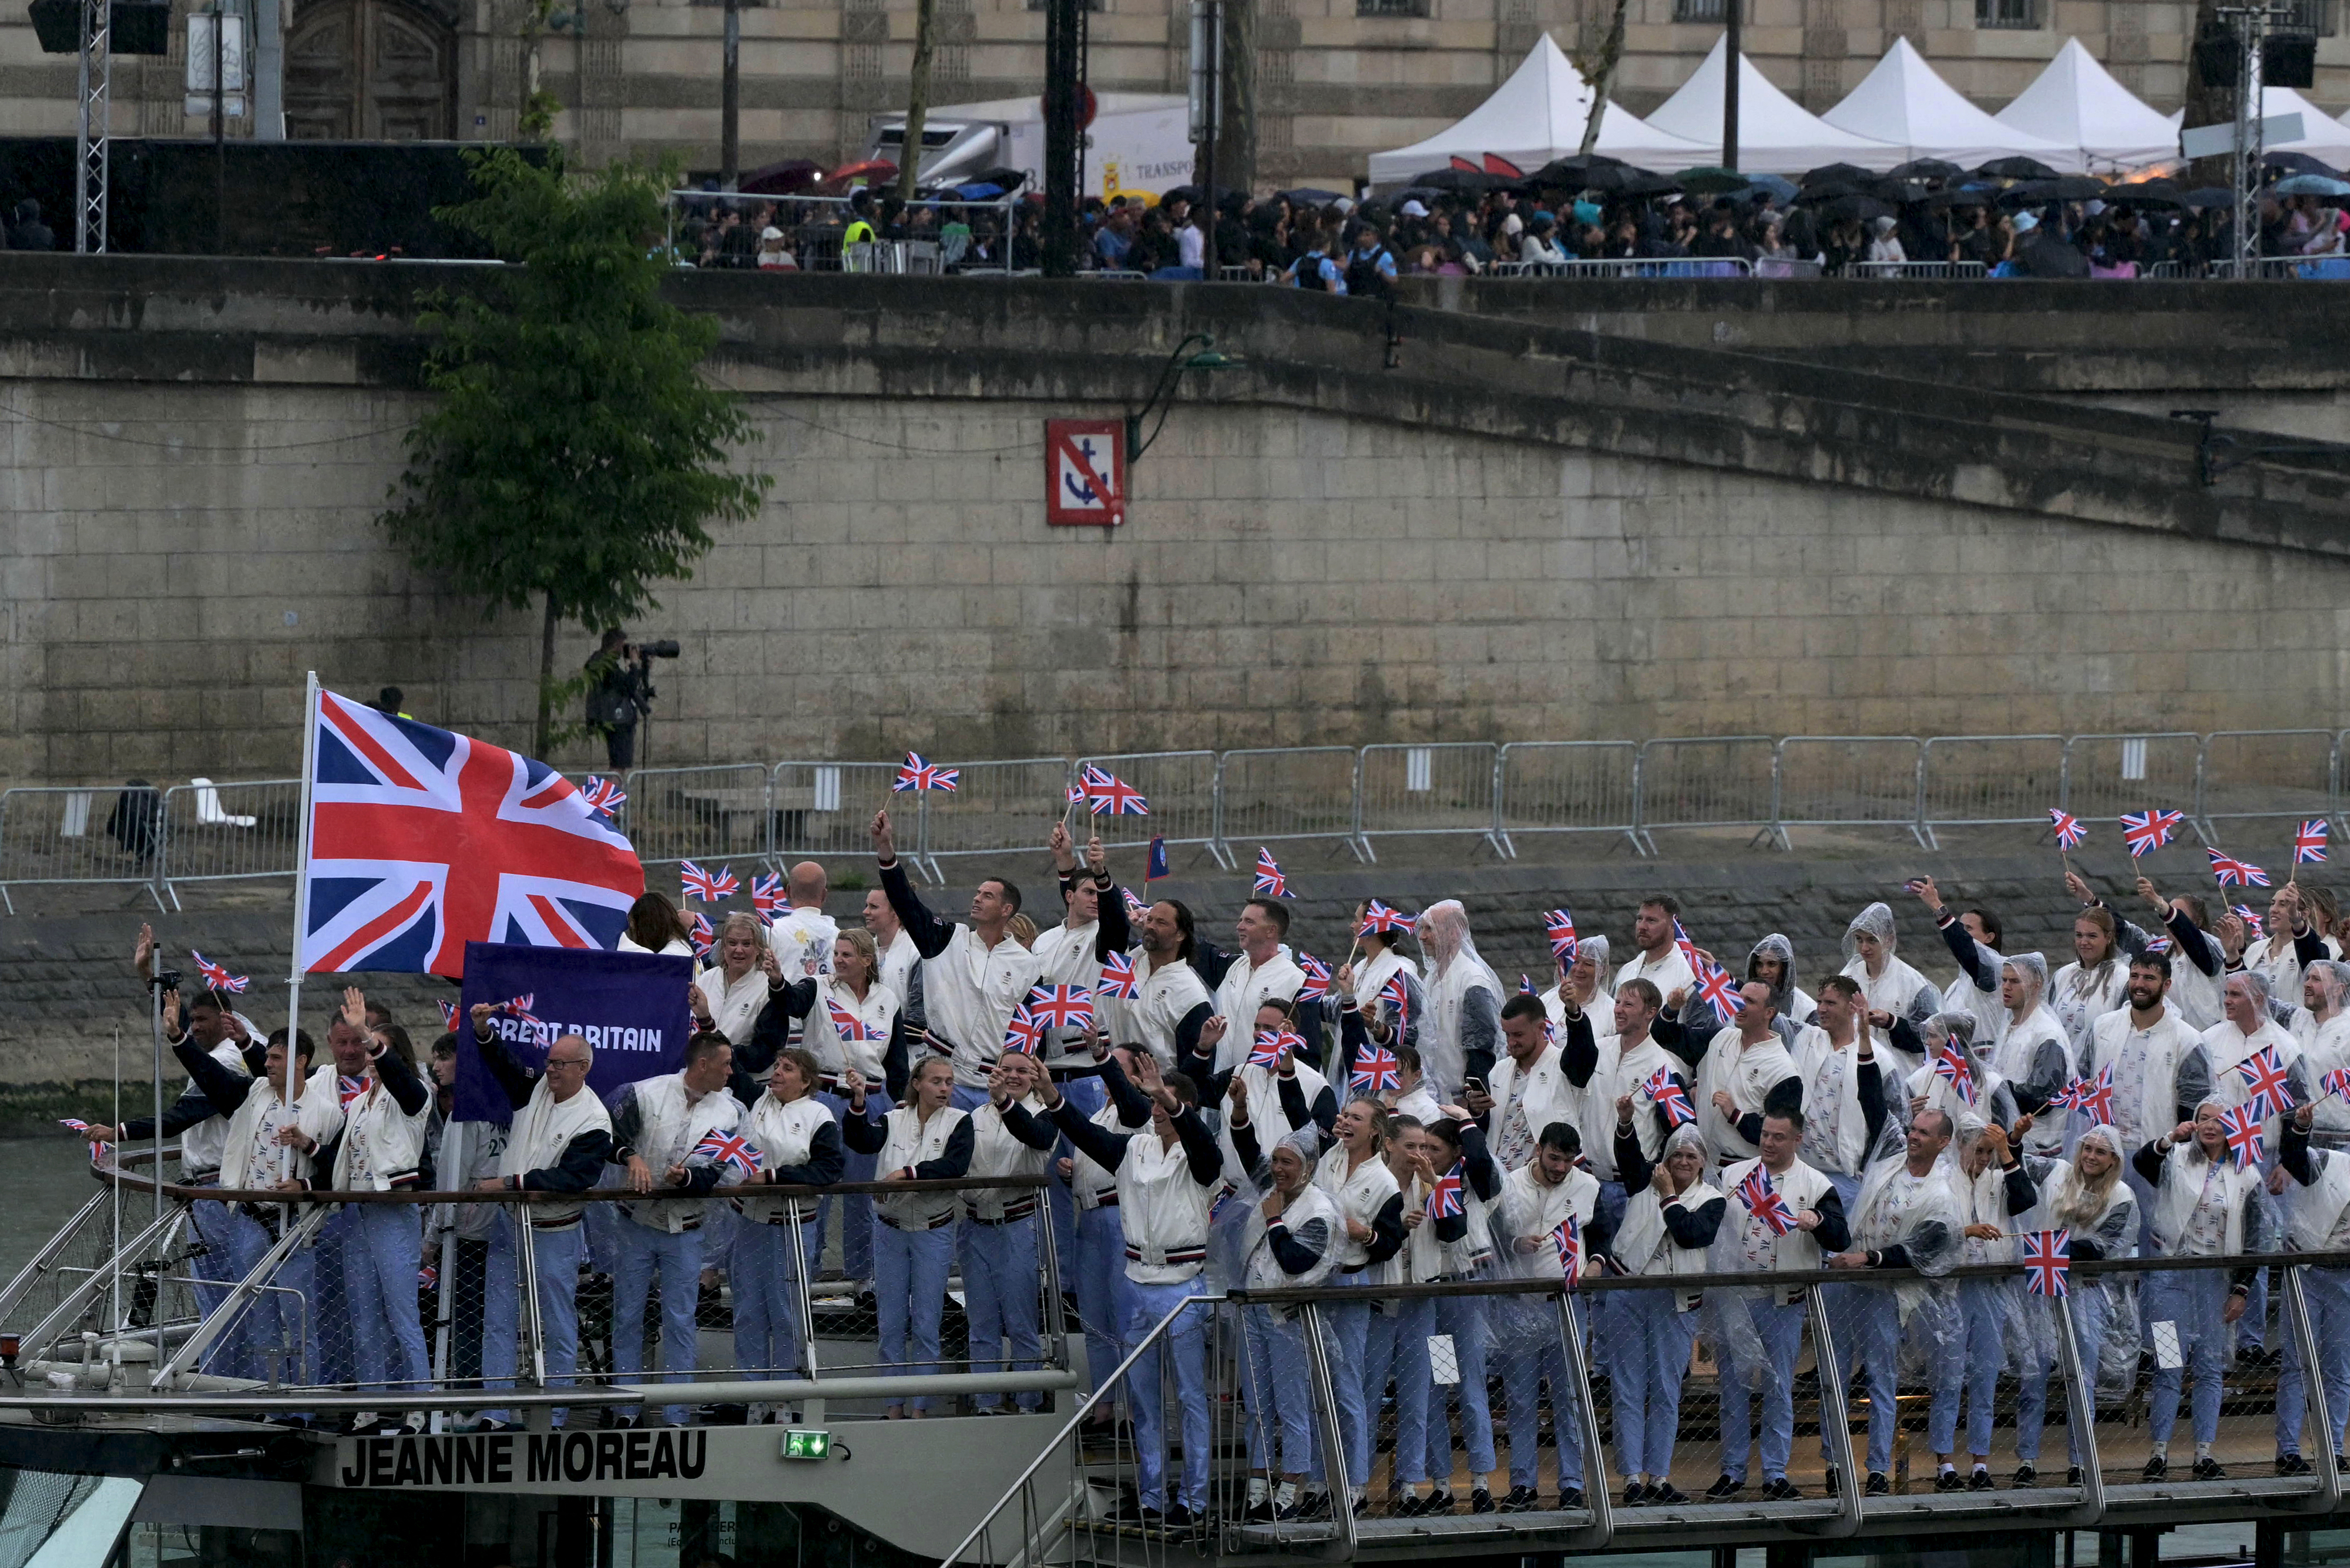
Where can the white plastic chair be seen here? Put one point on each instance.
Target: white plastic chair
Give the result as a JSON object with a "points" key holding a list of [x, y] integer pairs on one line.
{"points": [[208, 808]]}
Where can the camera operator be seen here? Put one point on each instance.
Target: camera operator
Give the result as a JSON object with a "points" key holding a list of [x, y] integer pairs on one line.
{"points": [[621, 692]]}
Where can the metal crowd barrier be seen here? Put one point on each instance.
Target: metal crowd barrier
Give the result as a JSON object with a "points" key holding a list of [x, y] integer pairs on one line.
{"points": [[157, 838], [1923, 269], [1566, 786], [1180, 787], [1988, 780], [957, 235], [1631, 266], [1420, 791]]}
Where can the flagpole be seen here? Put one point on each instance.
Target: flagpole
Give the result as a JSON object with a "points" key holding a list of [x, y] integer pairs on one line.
{"points": [[293, 1087]]}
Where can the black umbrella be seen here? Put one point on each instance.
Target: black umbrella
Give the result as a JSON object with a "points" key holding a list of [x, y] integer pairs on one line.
{"points": [[1596, 171], [1857, 207], [2208, 197], [1833, 173], [1712, 182], [783, 179], [2300, 164], [2045, 256], [1831, 190], [2016, 168], [1926, 168], [1307, 196], [1640, 183], [1474, 181], [1010, 179], [2064, 188], [1191, 194], [2147, 193]]}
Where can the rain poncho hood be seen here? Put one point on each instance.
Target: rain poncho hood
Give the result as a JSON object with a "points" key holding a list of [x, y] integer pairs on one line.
{"points": [[1775, 946], [1876, 921]]}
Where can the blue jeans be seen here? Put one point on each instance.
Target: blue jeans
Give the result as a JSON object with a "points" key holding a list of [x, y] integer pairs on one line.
{"points": [[1781, 1330], [910, 1285], [1101, 1292], [1188, 1340], [1001, 1282], [558, 1253], [767, 1296], [1878, 1328], [856, 1209], [1462, 1317], [330, 1307], [1524, 1368], [2327, 1293], [234, 1244], [276, 1322], [1400, 1342], [379, 1259], [1651, 1341], [637, 1252], [1346, 1329], [1984, 1303], [1280, 1393], [2193, 1299], [2088, 1305]]}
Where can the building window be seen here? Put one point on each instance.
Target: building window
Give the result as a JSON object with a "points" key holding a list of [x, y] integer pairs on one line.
{"points": [[2018, 14], [1392, 7], [1698, 11], [2306, 16]]}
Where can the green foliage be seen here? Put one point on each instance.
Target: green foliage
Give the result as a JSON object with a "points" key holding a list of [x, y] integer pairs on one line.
{"points": [[573, 454]]}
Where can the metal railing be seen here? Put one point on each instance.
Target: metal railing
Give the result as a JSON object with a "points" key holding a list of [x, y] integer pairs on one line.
{"points": [[943, 234], [1939, 270], [1631, 266], [768, 814]]}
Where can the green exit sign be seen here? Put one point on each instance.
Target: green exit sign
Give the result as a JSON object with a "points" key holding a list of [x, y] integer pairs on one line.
{"points": [[806, 1443]]}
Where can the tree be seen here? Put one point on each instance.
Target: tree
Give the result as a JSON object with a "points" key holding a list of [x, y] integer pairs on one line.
{"points": [[574, 453], [918, 98]]}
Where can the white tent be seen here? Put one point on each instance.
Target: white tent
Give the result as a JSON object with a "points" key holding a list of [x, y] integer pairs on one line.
{"points": [[2076, 101], [1776, 135], [2322, 136], [1535, 116], [1902, 101]]}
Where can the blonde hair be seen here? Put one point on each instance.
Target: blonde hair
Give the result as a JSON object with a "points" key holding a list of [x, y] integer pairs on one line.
{"points": [[1022, 930], [748, 922], [862, 941]]}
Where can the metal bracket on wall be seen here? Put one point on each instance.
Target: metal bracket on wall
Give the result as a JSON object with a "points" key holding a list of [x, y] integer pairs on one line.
{"points": [[2209, 464]]}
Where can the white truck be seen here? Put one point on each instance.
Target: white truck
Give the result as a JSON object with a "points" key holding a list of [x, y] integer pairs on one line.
{"points": [[1137, 141]]}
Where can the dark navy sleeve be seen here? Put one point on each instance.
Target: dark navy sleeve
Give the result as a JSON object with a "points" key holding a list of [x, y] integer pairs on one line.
{"points": [[581, 1167], [930, 935], [1387, 1230], [953, 1161], [826, 1161]]}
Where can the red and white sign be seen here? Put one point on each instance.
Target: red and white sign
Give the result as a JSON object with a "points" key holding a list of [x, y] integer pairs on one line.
{"points": [[1085, 473]]}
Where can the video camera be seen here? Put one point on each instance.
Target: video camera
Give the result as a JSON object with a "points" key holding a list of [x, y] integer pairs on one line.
{"points": [[667, 649]]}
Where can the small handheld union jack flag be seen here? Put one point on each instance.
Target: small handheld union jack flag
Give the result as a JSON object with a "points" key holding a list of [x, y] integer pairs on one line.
{"points": [[1527, 982], [1380, 920], [1377, 1072], [703, 885], [82, 1127], [449, 1016], [915, 774], [603, 796], [1024, 1033], [2157, 944], [1269, 1045], [1720, 993], [217, 976], [1688, 948], [727, 1150], [1107, 795], [1568, 1240], [1062, 1006], [701, 934], [2231, 872], [1761, 1198], [1318, 978], [1270, 882], [2093, 1098], [2069, 831], [1397, 996], [2244, 1128], [2048, 1262], [1444, 1199], [2338, 1083], [2266, 1086], [346, 1089], [1560, 926], [1665, 1093], [2253, 926], [2149, 830], [845, 1024], [767, 897], [1950, 1065], [1118, 979], [1134, 907], [2309, 842]]}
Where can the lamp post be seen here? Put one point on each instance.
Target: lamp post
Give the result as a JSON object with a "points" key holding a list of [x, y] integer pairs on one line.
{"points": [[1162, 395]]}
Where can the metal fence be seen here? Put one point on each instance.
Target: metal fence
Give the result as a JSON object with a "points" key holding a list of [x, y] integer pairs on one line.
{"points": [[1225, 803], [1287, 792], [1566, 786], [1419, 791], [1988, 780], [940, 236]]}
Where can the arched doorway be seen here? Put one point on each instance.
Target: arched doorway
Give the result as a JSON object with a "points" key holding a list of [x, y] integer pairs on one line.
{"points": [[369, 71]]}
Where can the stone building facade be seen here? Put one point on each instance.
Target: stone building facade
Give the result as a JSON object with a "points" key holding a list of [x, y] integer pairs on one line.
{"points": [[1336, 79]]}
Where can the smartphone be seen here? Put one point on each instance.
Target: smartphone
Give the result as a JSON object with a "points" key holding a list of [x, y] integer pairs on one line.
{"points": [[1477, 1085]]}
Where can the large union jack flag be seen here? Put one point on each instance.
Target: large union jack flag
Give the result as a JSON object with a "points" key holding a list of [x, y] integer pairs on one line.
{"points": [[423, 840]]}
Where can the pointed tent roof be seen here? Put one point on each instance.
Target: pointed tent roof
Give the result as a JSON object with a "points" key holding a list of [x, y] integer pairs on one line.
{"points": [[1776, 135], [2322, 136], [1535, 116], [2076, 102], [1903, 102]]}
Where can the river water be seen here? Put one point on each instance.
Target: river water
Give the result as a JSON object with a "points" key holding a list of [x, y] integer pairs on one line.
{"points": [[48, 1179]]}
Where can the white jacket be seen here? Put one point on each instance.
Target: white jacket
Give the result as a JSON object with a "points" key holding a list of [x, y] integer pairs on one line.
{"points": [[1163, 1211], [1548, 1098], [382, 1144], [538, 1135], [667, 1129], [1359, 1197], [251, 1155], [785, 1132], [996, 1152]]}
